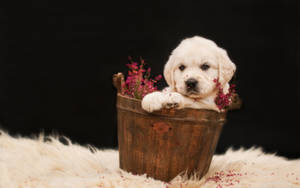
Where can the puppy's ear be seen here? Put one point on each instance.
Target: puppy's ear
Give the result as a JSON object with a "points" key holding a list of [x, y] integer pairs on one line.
{"points": [[169, 72], [226, 67]]}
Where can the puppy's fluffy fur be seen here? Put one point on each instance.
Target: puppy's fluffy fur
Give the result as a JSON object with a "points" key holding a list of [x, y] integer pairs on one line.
{"points": [[190, 73]]}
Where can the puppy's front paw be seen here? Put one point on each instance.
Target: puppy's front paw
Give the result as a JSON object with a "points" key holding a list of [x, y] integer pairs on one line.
{"points": [[171, 105], [152, 102], [173, 100]]}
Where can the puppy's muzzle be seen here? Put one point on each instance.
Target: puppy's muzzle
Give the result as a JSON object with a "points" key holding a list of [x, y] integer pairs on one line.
{"points": [[191, 85]]}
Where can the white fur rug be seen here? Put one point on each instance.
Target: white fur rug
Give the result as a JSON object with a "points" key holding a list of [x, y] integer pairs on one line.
{"points": [[33, 163]]}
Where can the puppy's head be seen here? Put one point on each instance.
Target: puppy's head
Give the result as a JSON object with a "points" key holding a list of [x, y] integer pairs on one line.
{"points": [[193, 66]]}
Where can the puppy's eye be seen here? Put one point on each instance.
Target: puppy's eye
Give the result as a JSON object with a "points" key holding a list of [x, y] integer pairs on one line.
{"points": [[205, 66], [181, 67]]}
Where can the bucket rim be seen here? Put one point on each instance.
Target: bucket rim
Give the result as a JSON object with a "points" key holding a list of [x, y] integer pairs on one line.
{"points": [[193, 109], [187, 114]]}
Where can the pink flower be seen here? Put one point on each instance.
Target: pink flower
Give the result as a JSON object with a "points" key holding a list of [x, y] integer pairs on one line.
{"points": [[133, 66], [158, 77], [138, 82], [223, 100]]}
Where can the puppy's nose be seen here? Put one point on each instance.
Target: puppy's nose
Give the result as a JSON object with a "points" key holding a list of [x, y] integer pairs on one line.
{"points": [[191, 83]]}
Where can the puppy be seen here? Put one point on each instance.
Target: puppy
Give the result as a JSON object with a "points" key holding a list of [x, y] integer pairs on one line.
{"points": [[190, 73]]}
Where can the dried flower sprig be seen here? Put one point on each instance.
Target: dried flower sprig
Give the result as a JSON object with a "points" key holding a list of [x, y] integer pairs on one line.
{"points": [[223, 100], [138, 82]]}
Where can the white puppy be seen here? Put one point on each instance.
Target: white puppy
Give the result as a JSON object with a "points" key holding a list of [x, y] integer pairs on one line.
{"points": [[190, 73]]}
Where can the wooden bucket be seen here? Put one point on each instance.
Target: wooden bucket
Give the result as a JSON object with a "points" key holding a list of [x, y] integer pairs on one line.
{"points": [[165, 143]]}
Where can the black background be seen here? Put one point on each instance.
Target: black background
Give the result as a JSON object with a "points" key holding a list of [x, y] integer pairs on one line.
{"points": [[58, 58]]}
